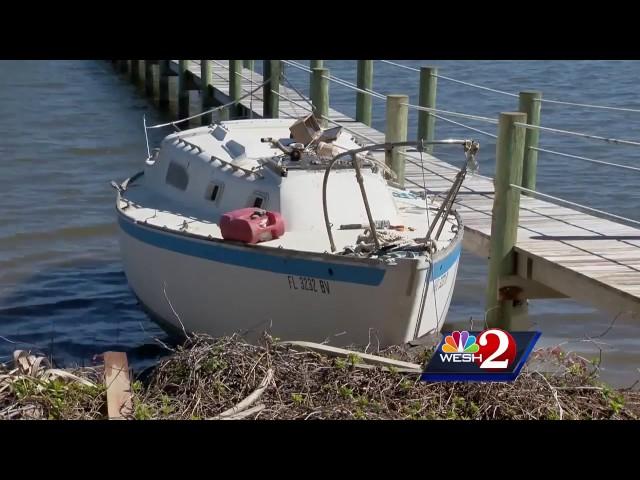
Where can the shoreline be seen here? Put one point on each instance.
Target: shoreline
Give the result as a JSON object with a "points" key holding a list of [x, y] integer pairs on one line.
{"points": [[227, 378]]}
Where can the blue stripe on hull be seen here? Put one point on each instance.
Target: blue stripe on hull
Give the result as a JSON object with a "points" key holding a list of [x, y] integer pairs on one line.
{"points": [[443, 265], [249, 258], [273, 263]]}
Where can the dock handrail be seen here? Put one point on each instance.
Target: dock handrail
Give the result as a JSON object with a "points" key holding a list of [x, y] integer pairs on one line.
{"points": [[221, 107]]}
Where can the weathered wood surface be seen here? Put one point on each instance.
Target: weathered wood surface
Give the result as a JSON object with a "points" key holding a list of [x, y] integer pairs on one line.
{"points": [[116, 378]]}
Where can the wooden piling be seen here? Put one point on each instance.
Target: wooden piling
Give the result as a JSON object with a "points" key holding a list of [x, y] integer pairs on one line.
{"points": [[206, 90], [235, 84], [396, 131], [364, 82], [271, 101], [530, 102], [183, 90], [163, 84], [148, 77], [505, 216], [314, 64], [135, 71], [116, 379], [320, 94], [124, 66], [427, 99]]}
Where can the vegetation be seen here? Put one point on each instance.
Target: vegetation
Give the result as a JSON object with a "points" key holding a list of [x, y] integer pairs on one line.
{"points": [[207, 377]]}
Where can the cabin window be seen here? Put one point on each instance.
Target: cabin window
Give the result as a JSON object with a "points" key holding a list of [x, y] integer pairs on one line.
{"points": [[219, 133], [235, 149], [258, 200], [177, 176], [214, 192]]}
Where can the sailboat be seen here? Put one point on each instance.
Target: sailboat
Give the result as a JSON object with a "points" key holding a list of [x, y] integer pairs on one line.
{"points": [[281, 225]]}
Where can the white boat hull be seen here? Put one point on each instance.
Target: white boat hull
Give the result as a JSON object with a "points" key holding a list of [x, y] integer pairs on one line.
{"points": [[221, 288]]}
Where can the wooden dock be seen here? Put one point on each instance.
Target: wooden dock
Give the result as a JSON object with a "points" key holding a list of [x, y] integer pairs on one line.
{"points": [[559, 252]]}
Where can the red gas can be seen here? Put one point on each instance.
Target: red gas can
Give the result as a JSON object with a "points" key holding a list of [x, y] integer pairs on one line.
{"points": [[251, 225]]}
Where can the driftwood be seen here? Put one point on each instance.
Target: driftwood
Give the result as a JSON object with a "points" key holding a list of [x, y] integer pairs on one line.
{"points": [[116, 378], [236, 411], [368, 359]]}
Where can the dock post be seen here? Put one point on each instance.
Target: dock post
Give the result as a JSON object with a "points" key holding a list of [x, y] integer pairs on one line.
{"points": [[426, 120], [124, 66], [135, 71], [271, 102], [148, 78], [530, 103], [163, 84], [248, 64], [183, 90], [314, 64], [320, 94], [235, 85], [396, 131], [206, 90], [364, 82], [505, 216], [118, 385]]}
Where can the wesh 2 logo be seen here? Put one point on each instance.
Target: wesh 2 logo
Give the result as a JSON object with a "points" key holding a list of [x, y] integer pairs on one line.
{"points": [[490, 355]]}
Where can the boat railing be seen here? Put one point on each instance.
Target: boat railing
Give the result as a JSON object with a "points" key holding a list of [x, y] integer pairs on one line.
{"points": [[189, 144], [237, 168], [213, 158], [470, 149]]}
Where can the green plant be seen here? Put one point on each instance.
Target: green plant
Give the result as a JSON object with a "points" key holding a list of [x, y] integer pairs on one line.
{"points": [[142, 411], [346, 392]]}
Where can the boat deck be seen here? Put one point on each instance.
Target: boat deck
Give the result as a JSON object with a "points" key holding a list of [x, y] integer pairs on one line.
{"points": [[155, 210]]}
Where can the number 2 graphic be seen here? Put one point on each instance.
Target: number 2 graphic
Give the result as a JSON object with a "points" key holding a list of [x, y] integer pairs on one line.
{"points": [[502, 347]]}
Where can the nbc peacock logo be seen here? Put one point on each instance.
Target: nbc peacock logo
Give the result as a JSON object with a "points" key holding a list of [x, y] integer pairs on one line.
{"points": [[460, 347], [460, 342]]}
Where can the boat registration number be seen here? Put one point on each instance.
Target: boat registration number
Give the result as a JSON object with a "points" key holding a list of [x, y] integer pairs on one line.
{"points": [[440, 282], [309, 284]]}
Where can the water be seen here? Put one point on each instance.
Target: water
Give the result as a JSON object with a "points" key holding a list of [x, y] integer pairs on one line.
{"points": [[70, 127]]}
